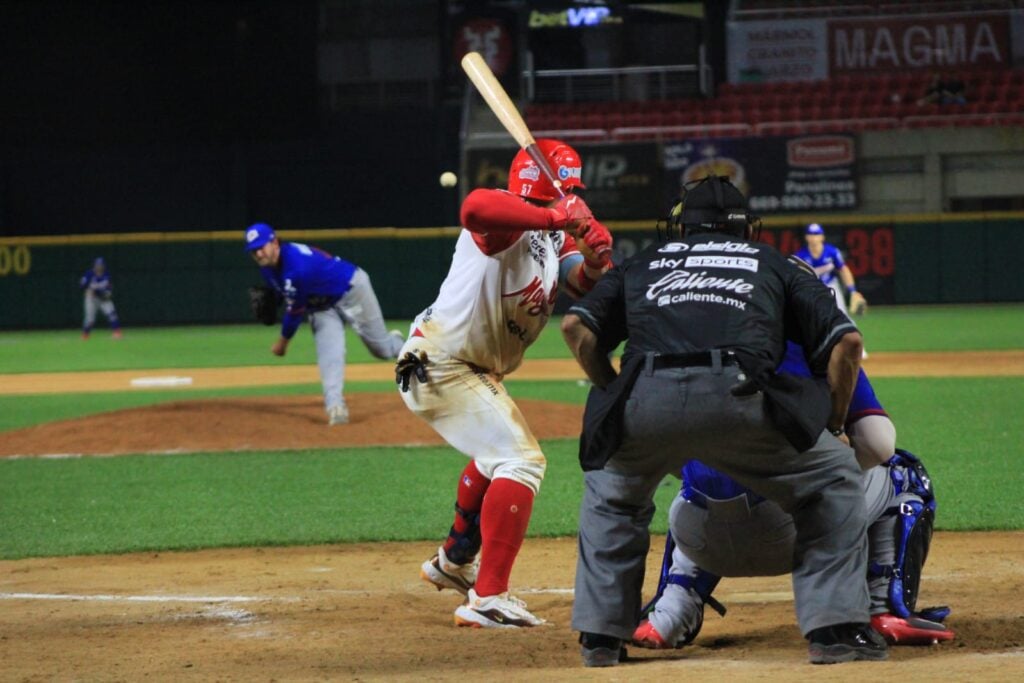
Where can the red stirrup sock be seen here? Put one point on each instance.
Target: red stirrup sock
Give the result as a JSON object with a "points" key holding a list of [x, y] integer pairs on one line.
{"points": [[503, 522], [463, 541]]}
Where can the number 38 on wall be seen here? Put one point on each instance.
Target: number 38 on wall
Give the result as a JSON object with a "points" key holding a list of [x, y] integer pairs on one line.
{"points": [[15, 260]]}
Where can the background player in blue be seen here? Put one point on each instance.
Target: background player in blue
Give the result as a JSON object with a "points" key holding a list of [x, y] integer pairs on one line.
{"points": [[330, 292], [719, 528], [98, 294], [830, 267]]}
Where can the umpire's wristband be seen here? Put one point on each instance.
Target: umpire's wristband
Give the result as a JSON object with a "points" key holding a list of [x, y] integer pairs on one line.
{"points": [[836, 432]]}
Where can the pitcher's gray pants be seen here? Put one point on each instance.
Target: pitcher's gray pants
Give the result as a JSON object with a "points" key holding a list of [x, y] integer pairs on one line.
{"points": [[674, 415], [360, 309]]}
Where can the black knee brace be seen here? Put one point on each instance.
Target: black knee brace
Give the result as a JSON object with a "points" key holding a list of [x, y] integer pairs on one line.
{"points": [[467, 543]]}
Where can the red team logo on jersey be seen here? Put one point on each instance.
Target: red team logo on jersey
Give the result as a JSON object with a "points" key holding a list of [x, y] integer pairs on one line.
{"points": [[533, 296]]}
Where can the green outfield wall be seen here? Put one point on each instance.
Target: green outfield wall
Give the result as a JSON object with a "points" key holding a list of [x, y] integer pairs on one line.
{"points": [[180, 278]]}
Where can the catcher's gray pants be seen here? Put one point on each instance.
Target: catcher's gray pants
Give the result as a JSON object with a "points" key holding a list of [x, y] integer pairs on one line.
{"points": [[106, 306], [674, 415], [360, 309], [732, 538]]}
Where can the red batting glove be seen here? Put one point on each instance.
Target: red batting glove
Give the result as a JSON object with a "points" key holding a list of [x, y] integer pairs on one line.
{"points": [[597, 245], [570, 213]]}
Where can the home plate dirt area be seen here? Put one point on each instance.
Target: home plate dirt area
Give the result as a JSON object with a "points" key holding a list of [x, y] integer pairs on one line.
{"points": [[360, 612]]}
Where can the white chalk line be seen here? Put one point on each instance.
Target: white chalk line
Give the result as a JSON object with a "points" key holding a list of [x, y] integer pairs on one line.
{"points": [[74, 597], [745, 597]]}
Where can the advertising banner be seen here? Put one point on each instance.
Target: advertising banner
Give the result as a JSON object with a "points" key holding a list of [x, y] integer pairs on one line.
{"points": [[816, 49], [778, 174], [777, 51], [623, 180], [859, 46]]}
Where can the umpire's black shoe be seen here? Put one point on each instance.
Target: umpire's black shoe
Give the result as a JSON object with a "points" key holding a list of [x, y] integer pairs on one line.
{"points": [[599, 650], [845, 643]]}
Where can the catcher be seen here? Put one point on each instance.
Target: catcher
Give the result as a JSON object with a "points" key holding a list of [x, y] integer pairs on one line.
{"points": [[330, 292]]}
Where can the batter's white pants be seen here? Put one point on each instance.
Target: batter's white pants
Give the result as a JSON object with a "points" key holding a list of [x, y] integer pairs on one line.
{"points": [[471, 409]]}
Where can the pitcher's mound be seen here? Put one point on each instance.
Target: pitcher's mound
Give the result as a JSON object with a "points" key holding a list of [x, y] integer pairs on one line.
{"points": [[265, 423]]}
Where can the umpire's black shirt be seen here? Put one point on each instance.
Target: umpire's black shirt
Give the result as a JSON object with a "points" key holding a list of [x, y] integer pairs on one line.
{"points": [[715, 291]]}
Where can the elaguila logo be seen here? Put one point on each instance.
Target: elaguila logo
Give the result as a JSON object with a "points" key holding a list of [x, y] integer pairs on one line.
{"points": [[730, 247], [822, 150]]}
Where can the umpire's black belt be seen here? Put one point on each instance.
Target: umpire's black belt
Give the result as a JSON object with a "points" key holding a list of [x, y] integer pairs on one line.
{"points": [[699, 359]]}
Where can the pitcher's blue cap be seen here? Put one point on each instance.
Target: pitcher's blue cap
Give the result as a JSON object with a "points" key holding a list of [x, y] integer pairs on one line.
{"points": [[814, 229], [258, 234]]}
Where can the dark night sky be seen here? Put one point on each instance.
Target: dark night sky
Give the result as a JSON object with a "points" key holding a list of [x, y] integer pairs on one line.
{"points": [[136, 71]]}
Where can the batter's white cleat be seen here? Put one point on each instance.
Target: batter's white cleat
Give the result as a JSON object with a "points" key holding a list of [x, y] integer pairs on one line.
{"points": [[443, 573], [495, 611], [337, 415]]}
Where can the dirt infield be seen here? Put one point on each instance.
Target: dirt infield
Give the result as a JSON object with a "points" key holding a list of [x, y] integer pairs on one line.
{"points": [[359, 612], [880, 364]]}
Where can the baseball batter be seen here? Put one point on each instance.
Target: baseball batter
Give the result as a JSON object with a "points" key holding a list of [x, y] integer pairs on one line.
{"points": [[516, 249], [830, 267], [330, 292], [720, 528], [98, 293]]}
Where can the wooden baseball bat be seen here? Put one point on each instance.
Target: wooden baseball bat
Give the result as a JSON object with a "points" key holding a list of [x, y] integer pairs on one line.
{"points": [[500, 103]]}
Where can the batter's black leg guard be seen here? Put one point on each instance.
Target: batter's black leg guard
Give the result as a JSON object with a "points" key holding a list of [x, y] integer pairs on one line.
{"points": [[467, 543]]}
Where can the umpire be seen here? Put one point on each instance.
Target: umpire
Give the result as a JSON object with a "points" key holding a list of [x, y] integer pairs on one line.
{"points": [[705, 318]]}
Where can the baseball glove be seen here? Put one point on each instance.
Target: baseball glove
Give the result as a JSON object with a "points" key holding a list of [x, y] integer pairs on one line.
{"points": [[858, 304], [264, 302]]}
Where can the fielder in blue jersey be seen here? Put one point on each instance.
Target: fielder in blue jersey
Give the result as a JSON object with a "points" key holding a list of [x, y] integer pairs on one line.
{"points": [[721, 528], [830, 267], [98, 293], [330, 292]]}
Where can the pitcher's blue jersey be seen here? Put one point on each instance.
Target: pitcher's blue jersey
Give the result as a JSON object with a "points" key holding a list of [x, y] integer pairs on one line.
{"points": [[700, 479], [99, 285], [826, 266], [310, 280]]}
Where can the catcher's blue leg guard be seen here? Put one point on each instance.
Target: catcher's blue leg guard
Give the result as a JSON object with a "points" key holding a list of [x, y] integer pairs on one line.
{"points": [[916, 513], [703, 584], [467, 543]]}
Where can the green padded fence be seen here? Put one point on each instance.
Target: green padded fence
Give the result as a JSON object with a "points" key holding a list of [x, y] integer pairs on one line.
{"points": [[178, 278]]}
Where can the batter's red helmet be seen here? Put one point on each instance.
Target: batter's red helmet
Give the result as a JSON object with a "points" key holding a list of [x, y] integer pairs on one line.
{"points": [[526, 180]]}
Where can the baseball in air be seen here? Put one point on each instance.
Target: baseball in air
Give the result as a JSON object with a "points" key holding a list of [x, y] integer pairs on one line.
{"points": [[449, 179]]}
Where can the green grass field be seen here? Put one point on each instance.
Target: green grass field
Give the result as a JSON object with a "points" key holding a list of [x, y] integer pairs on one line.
{"points": [[893, 328], [968, 430]]}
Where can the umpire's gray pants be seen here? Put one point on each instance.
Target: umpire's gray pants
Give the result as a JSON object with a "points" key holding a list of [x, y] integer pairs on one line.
{"points": [[674, 415]]}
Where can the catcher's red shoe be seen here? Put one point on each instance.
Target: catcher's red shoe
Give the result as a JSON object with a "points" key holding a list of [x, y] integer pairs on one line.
{"points": [[911, 631], [648, 637]]}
